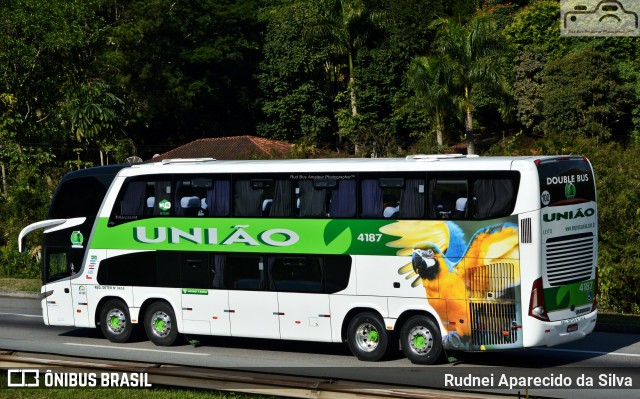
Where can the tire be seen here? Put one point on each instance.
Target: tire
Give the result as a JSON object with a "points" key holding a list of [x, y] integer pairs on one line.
{"points": [[367, 337], [115, 321], [160, 324], [421, 341]]}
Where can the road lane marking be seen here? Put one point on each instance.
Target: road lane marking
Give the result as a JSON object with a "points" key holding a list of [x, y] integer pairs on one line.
{"points": [[590, 352], [137, 349], [20, 314]]}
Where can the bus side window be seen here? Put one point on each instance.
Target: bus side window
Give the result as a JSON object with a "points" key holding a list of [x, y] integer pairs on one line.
{"points": [[218, 200], [371, 199], [144, 197], [243, 272], [290, 273], [282, 203], [337, 269], [443, 196], [313, 199], [343, 199], [412, 200], [56, 264], [493, 198], [248, 199]]}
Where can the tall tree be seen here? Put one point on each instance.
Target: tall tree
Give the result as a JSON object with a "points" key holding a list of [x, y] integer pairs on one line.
{"points": [[470, 50], [346, 24], [429, 78], [296, 92], [185, 69], [93, 112], [583, 95]]}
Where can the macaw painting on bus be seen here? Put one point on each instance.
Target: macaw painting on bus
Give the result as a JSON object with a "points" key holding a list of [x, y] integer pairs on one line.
{"points": [[444, 262]]}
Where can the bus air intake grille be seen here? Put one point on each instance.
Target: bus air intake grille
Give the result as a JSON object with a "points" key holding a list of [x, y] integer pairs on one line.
{"points": [[496, 281], [569, 259], [493, 323], [525, 231]]}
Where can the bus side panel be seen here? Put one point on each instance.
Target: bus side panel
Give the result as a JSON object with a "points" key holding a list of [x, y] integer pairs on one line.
{"points": [[58, 306]]}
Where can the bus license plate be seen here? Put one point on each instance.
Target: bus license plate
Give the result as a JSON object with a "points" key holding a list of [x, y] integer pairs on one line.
{"points": [[572, 328]]}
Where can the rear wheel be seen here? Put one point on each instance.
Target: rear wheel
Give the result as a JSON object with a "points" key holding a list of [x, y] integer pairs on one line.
{"points": [[115, 321], [367, 338], [160, 324], [421, 340]]}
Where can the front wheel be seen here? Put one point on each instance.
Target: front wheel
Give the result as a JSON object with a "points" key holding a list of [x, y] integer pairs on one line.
{"points": [[115, 321], [160, 324], [421, 340], [367, 338]]}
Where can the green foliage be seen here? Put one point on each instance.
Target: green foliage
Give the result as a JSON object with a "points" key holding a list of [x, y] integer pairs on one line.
{"points": [[528, 90], [184, 69], [537, 28], [583, 96], [293, 77]]}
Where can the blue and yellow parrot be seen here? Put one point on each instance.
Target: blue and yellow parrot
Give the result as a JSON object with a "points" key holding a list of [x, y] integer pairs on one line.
{"points": [[443, 260]]}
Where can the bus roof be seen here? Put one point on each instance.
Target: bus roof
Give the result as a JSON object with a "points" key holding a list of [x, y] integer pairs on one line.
{"points": [[411, 163]]}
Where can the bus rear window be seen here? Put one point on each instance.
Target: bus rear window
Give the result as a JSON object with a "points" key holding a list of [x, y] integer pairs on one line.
{"points": [[565, 181]]}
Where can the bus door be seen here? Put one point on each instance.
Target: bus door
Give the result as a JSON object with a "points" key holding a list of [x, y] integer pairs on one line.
{"points": [[253, 312], [303, 305], [58, 303], [204, 310], [196, 303]]}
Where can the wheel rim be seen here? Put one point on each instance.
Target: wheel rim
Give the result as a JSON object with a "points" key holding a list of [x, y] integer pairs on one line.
{"points": [[116, 321], [367, 337], [420, 340], [161, 324]]}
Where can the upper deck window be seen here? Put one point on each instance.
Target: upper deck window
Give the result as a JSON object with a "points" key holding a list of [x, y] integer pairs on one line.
{"points": [[472, 195], [143, 196]]}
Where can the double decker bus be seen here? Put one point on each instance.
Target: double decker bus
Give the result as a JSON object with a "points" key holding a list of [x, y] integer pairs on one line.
{"points": [[427, 253]]}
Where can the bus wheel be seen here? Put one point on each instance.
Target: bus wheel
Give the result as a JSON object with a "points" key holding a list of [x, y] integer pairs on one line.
{"points": [[420, 340], [367, 338], [160, 324], [115, 322]]}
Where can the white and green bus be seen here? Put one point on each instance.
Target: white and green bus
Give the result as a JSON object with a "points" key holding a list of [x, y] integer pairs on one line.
{"points": [[426, 253]]}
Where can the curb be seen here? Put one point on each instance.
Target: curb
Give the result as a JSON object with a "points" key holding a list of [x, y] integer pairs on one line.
{"points": [[19, 294]]}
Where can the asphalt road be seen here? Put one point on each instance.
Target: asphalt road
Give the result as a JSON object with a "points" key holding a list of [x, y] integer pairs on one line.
{"points": [[608, 359]]}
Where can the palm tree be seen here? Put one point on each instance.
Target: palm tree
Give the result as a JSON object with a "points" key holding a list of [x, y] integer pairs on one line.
{"points": [[469, 51], [346, 25], [428, 77]]}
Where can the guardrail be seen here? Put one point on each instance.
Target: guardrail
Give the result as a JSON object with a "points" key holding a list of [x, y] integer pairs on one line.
{"points": [[231, 380]]}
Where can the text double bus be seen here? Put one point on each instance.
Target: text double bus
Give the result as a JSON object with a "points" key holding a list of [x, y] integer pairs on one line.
{"points": [[426, 252]]}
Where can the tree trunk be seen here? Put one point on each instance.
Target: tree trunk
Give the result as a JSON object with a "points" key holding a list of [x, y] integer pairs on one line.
{"points": [[468, 124], [352, 88], [439, 130], [5, 189]]}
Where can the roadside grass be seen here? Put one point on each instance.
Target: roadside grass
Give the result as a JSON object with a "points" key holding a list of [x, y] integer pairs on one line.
{"points": [[615, 318], [21, 284], [110, 393]]}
